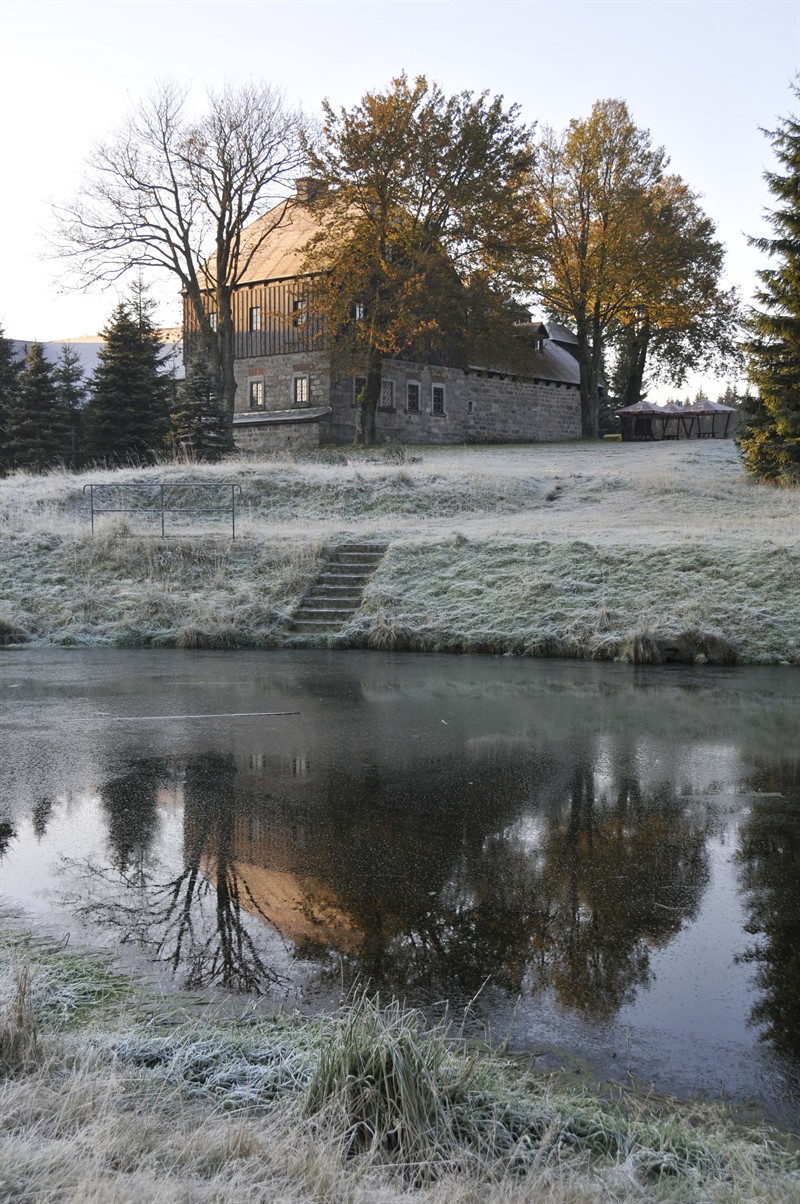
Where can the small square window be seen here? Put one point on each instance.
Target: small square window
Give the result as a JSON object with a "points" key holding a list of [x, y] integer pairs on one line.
{"points": [[302, 390], [212, 321], [437, 399], [300, 311], [255, 317], [359, 384], [256, 395], [412, 397], [387, 395]]}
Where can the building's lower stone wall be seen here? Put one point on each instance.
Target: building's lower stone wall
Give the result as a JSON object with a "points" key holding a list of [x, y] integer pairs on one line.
{"points": [[479, 406], [267, 440]]}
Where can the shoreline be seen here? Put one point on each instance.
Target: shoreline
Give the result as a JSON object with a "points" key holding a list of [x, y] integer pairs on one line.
{"points": [[142, 1097]]}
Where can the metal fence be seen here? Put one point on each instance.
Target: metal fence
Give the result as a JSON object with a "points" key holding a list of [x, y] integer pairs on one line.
{"points": [[161, 500]]}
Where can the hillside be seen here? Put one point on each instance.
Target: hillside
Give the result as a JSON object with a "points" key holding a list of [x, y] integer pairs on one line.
{"points": [[642, 552]]}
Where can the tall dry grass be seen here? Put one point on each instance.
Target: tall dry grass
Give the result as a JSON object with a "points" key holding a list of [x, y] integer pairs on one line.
{"points": [[367, 1106]]}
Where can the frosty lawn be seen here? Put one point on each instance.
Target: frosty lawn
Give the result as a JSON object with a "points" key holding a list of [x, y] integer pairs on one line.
{"points": [[614, 551]]}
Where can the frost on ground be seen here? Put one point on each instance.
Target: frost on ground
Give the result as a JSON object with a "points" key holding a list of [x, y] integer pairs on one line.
{"points": [[105, 1097], [644, 552]]}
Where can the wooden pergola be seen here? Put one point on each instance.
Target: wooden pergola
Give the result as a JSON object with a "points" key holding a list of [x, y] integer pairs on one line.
{"points": [[644, 421]]}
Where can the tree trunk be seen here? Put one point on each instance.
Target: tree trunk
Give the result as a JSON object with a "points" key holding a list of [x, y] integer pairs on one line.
{"points": [[588, 427], [367, 401], [225, 342], [640, 340], [218, 348], [633, 345]]}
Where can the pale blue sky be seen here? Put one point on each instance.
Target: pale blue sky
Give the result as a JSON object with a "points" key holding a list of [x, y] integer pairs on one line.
{"points": [[702, 76]]}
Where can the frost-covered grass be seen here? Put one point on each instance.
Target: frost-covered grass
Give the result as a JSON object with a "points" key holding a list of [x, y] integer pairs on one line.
{"points": [[635, 551], [118, 1100]]}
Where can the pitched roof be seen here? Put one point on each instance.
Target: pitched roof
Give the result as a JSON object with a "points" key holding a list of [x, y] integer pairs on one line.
{"points": [[284, 231]]}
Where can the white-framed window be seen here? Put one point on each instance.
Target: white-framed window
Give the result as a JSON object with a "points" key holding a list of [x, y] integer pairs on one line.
{"points": [[359, 383], [357, 311], [412, 397], [301, 390], [256, 395], [437, 399], [387, 395], [255, 317], [212, 321], [300, 311]]}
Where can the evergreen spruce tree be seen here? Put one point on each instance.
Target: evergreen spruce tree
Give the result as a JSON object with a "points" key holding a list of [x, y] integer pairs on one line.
{"points": [[198, 424], [39, 426], [71, 389], [127, 414], [10, 368], [769, 434]]}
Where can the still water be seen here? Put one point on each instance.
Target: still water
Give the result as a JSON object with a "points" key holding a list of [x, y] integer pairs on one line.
{"points": [[602, 862]]}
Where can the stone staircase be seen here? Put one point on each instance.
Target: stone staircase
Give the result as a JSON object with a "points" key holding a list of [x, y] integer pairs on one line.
{"points": [[337, 592]]}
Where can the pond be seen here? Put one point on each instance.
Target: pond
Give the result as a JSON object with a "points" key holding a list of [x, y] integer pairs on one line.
{"points": [[600, 862]]}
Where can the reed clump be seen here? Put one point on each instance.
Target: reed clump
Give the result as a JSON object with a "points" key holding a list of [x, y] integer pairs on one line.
{"points": [[20, 1044]]}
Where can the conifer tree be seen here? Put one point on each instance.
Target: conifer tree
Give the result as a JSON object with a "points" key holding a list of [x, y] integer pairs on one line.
{"points": [[10, 368], [39, 427], [769, 436], [127, 414], [71, 389], [198, 426]]}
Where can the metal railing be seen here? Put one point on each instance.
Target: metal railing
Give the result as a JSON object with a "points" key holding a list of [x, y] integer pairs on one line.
{"points": [[162, 499]]}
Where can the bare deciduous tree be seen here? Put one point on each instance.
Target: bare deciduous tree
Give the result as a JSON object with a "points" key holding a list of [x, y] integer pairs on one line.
{"points": [[174, 193]]}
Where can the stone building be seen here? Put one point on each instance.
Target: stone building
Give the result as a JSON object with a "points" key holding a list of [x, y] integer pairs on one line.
{"points": [[286, 397]]}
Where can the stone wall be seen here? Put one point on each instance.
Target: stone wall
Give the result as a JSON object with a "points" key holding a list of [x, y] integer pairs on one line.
{"points": [[479, 406], [268, 439]]}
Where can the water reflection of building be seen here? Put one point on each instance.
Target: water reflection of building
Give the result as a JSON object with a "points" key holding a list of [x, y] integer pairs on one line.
{"points": [[430, 875]]}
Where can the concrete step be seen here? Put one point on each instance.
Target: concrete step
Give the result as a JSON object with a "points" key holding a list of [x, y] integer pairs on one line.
{"points": [[337, 592], [310, 625], [358, 566], [349, 575], [348, 604], [367, 559], [316, 611], [343, 592]]}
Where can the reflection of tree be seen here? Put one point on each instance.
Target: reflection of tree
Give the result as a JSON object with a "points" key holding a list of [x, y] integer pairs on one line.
{"points": [[131, 805], [224, 952], [172, 917], [7, 834], [40, 815], [769, 855], [445, 903], [620, 879]]}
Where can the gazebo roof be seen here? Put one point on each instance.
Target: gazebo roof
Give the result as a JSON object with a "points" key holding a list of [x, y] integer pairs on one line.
{"points": [[710, 407], [642, 407]]}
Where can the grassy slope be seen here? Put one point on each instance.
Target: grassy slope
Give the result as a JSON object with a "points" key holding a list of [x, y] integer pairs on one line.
{"points": [[110, 1094], [641, 552]]}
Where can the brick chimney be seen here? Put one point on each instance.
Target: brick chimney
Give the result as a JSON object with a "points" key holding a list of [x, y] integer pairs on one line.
{"points": [[308, 189]]}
